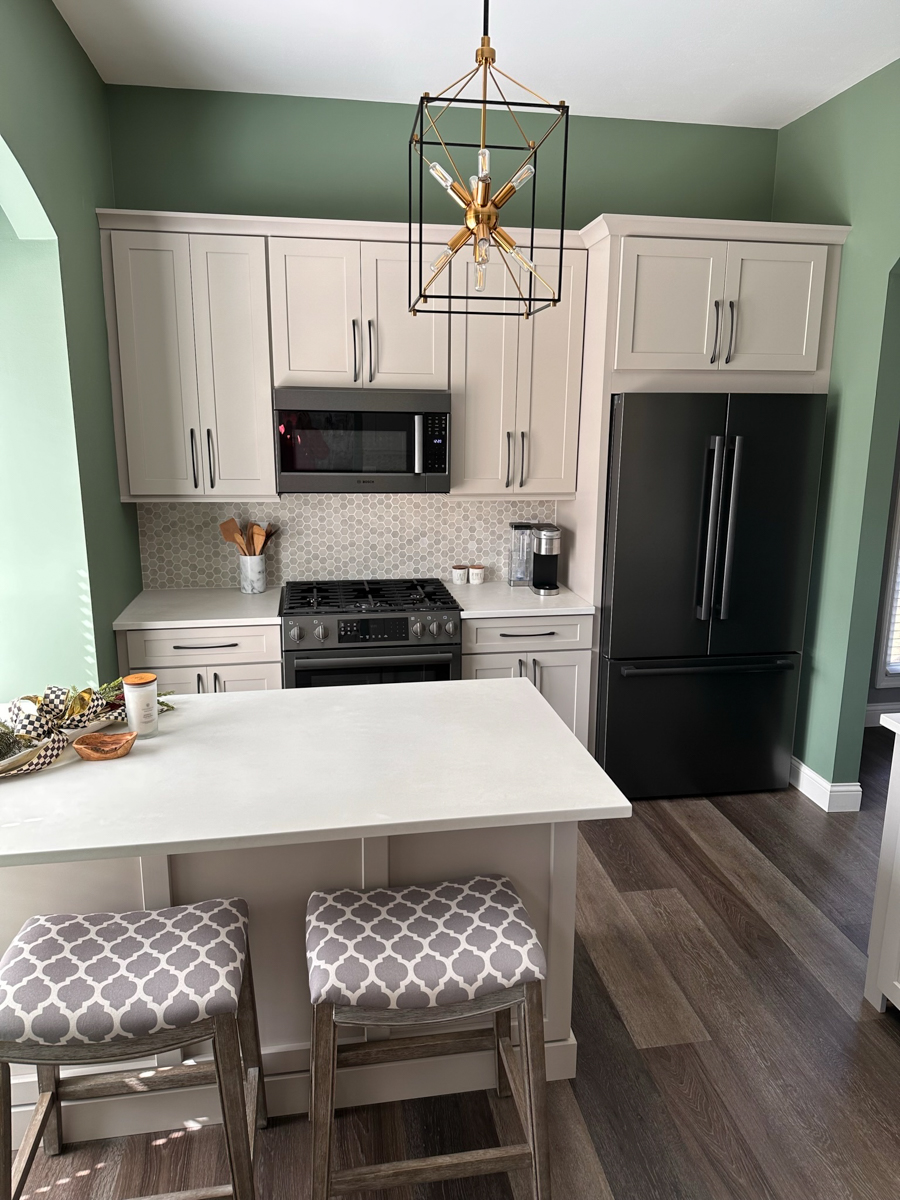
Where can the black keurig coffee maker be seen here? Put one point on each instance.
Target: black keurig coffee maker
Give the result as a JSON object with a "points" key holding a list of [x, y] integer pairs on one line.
{"points": [[545, 563]]}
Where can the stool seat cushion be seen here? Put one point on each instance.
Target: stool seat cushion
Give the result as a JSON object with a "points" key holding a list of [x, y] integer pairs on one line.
{"points": [[106, 977], [420, 947]]}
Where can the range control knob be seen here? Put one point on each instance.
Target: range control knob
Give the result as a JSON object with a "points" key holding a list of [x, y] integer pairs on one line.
{"points": [[450, 628], [321, 632], [435, 628], [417, 629], [296, 634]]}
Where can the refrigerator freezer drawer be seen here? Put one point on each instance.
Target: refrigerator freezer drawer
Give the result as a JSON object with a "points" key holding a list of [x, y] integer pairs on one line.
{"points": [[695, 727]]}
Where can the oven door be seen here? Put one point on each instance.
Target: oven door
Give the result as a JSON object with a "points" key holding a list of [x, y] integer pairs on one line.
{"points": [[349, 668]]}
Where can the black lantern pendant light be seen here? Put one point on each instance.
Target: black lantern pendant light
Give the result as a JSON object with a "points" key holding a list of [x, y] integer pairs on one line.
{"points": [[448, 128]]}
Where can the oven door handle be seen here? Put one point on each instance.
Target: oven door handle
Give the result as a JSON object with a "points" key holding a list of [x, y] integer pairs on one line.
{"points": [[374, 660]]}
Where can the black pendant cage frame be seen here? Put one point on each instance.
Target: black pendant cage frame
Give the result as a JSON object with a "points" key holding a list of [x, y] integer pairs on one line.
{"points": [[531, 297]]}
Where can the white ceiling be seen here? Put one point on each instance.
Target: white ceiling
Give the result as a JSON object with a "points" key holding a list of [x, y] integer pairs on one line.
{"points": [[734, 62]]}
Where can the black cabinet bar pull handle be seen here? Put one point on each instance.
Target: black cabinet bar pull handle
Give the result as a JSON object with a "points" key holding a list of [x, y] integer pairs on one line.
{"points": [[729, 536], [509, 438], [521, 667], [717, 445], [353, 326], [371, 354], [194, 458], [534, 672], [716, 338], [522, 465], [199, 682], [780, 664], [216, 682], [730, 332], [209, 451], [223, 646], [549, 633]]}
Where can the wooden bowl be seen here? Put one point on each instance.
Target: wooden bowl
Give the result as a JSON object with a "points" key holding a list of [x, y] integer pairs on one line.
{"points": [[97, 747]]}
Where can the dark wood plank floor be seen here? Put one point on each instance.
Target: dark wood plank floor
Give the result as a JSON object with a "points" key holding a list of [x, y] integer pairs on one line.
{"points": [[724, 1050]]}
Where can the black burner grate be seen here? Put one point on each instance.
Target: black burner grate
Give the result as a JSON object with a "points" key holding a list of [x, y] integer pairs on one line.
{"points": [[366, 595]]}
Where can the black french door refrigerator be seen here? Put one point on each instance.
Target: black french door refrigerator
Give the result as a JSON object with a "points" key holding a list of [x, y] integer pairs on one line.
{"points": [[709, 535]]}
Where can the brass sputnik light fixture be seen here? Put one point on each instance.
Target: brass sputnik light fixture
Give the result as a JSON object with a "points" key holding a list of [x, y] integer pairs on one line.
{"points": [[431, 284]]}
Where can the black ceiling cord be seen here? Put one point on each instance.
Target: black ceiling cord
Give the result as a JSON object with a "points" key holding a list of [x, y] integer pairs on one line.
{"points": [[487, 5]]}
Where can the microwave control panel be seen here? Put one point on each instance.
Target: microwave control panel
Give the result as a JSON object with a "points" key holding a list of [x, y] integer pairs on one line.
{"points": [[436, 434]]}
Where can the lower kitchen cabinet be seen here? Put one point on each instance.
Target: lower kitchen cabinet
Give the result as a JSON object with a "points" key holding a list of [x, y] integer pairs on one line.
{"points": [[563, 677], [223, 677]]}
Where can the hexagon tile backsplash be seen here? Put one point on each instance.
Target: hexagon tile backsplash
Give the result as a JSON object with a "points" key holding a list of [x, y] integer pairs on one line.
{"points": [[327, 536]]}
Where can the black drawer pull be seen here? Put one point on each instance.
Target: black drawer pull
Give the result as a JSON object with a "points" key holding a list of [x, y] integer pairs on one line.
{"points": [[549, 633], [221, 646]]}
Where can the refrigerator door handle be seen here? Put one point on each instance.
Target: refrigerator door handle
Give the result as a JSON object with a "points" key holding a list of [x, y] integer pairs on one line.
{"points": [[704, 608], [729, 536], [778, 664]]}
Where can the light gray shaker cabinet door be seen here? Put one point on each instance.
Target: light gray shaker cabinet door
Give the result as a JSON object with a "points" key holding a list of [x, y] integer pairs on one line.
{"points": [[152, 273], [231, 331]]}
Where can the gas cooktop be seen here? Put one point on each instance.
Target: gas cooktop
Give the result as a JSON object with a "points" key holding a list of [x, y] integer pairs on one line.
{"points": [[365, 596]]}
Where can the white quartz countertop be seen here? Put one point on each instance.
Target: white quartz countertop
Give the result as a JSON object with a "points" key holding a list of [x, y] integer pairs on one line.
{"points": [[269, 768], [892, 720], [501, 600], [165, 607]]}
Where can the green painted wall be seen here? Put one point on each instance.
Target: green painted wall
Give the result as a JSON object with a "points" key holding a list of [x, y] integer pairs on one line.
{"points": [[295, 157], [841, 163], [53, 118], [45, 604]]}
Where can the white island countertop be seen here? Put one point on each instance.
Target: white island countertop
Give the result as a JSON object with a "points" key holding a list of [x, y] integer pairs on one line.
{"points": [[501, 600], [272, 768]]}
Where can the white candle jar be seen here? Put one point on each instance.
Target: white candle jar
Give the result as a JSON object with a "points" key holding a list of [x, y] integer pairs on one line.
{"points": [[140, 703]]}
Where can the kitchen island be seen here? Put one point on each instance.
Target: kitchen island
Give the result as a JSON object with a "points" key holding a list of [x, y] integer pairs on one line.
{"points": [[269, 795]]}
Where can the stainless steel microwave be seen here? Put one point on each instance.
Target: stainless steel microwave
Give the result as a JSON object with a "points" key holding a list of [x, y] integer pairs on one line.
{"points": [[350, 440]]}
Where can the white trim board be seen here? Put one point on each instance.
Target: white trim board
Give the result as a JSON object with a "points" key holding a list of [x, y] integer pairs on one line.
{"points": [[874, 712], [833, 797]]}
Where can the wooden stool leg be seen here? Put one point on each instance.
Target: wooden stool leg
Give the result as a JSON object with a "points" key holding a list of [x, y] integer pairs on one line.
{"points": [[48, 1081], [502, 1028], [323, 1065], [532, 1036], [248, 1027], [5, 1133], [227, 1049]]}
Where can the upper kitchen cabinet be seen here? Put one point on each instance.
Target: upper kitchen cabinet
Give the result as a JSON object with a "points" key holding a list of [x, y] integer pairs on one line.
{"points": [[340, 318], [517, 385], [705, 305], [194, 358]]}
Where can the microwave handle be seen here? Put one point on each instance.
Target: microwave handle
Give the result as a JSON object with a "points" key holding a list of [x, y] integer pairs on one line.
{"points": [[419, 429]]}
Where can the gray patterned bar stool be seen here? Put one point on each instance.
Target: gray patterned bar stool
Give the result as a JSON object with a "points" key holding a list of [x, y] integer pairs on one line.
{"points": [[409, 957], [112, 986]]}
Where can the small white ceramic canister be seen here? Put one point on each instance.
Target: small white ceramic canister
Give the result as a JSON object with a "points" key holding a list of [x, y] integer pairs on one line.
{"points": [[459, 574], [140, 703], [253, 573], [476, 574]]}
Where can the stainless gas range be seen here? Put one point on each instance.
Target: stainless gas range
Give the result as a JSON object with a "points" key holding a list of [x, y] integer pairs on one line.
{"points": [[338, 632]]}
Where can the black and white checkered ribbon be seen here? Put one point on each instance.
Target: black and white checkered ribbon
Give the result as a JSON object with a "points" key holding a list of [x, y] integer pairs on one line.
{"points": [[52, 719]]}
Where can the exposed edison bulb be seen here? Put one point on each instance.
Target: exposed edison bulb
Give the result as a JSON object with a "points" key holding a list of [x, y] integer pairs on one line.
{"points": [[484, 163], [441, 261], [441, 175], [522, 258], [483, 250], [473, 179], [522, 176], [480, 277]]}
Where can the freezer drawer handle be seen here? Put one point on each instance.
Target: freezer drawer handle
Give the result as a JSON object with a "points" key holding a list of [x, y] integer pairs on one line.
{"points": [[780, 664], [548, 633], [729, 536], [704, 608]]}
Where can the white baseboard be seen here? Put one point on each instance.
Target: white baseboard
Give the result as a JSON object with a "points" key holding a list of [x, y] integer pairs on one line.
{"points": [[192, 1108], [874, 711], [833, 797]]}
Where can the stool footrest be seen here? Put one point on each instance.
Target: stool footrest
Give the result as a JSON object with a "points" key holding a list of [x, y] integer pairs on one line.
{"points": [[428, 1045], [135, 1081], [204, 1193], [496, 1160]]}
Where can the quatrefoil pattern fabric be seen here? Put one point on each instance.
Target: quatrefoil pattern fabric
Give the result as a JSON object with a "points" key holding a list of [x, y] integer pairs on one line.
{"points": [[420, 947], [105, 977]]}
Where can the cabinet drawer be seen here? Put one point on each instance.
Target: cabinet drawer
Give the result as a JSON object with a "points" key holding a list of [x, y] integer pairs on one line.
{"points": [[483, 635], [199, 647]]}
